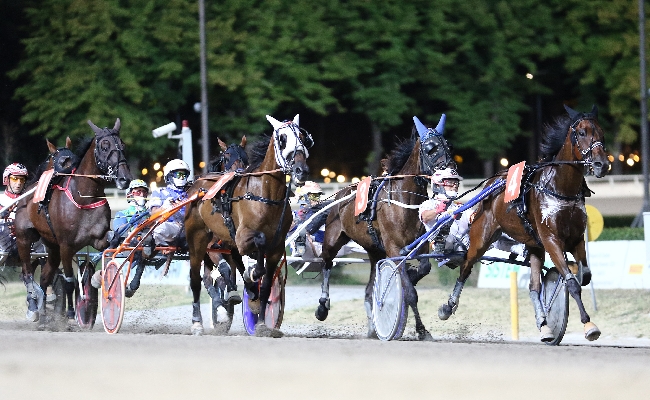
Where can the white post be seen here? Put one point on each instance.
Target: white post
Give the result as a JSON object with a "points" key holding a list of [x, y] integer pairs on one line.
{"points": [[185, 143]]}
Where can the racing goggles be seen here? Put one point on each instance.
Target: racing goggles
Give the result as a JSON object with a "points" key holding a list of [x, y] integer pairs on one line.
{"points": [[17, 178], [179, 174]]}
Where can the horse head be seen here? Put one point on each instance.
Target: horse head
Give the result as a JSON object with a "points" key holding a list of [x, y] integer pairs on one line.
{"points": [[587, 138], [291, 144], [232, 158], [109, 154], [435, 152], [62, 159]]}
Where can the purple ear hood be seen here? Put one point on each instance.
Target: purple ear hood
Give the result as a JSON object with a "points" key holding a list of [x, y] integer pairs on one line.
{"points": [[425, 132]]}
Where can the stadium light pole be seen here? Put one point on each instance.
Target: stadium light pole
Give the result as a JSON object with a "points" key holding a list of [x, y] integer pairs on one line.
{"points": [[205, 140], [638, 221]]}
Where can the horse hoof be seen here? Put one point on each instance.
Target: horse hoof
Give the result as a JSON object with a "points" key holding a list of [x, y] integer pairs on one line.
{"points": [[32, 316], [321, 313], [261, 330], [128, 292], [591, 331], [586, 277], [221, 328], [222, 314], [233, 298], [444, 312], [254, 306], [70, 314], [372, 333], [546, 334], [197, 329], [425, 336]]}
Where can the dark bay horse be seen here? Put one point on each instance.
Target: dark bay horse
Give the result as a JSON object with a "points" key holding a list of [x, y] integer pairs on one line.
{"points": [[252, 216], [74, 214], [552, 202], [395, 223]]}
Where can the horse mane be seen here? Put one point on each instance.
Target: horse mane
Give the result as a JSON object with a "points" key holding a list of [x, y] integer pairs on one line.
{"points": [[257, 152], [553, 137], [399, 155]]}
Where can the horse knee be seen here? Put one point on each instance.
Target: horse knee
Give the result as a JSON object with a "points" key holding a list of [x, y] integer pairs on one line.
{"points": [[259, 239], [574, 287]]}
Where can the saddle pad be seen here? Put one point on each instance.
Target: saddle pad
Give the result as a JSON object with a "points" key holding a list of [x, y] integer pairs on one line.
{"points": [[218, 185], [43, 183], [513, 182], [361, 200]]}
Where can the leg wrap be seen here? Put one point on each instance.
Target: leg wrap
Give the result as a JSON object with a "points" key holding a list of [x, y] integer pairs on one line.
{"points": [[196, 313], [540, 315], [454, 299], [226, 273]]}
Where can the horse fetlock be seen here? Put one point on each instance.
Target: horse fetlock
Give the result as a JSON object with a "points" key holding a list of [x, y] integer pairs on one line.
{"points": [[196, 313], [325, 302], [546, 334], [197, 328], [540, 315]]}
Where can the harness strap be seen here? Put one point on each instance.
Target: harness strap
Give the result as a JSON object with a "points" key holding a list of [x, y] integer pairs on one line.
{"points": [[67, 192]]}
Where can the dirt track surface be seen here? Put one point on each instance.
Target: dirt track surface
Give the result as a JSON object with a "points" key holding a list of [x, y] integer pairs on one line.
{"points": [[154, 357]]}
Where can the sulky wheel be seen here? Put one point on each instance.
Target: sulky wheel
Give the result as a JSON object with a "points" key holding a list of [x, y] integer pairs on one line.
{"points": [[555, 300], [275, 308], [86, 301], [112, 297], [389, 309]]}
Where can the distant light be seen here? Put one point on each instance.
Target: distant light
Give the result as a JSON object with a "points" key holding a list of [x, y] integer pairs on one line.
{"points": [[503, 162], [340, 179], [636, 158], [327, 180], [458, 159], [156, 166], [145, 171], [621, 157], [630, 162], [610, 158], [197, 109], [153, 186], [202, 164], [324, 172], [159, 174], [332, 174], [529, 75], [355, 180]]}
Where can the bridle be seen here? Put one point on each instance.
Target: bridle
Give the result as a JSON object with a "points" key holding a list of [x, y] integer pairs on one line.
{"points": [[103, 157], [584, 154], [430, 162], [280, 142]]}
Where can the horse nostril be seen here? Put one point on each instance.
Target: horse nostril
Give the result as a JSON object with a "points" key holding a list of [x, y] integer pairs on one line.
{"points": [[598, 164]]}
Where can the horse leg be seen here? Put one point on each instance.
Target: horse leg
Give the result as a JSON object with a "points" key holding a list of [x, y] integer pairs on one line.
{"points": [[482, 232], [328, 253], [411, 297], [591, 330], [261, 329], [197, 243], [219, 313], [69, 284], [35, 296], [535, 288], [580, 255], [230, 277]]}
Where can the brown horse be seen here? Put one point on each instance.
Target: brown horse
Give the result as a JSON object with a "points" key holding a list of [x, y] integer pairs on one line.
{"points": [[73, 215], [250, 217], [395, 222], [549, 215]]}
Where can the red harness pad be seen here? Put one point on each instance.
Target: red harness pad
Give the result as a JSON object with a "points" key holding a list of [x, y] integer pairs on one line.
{"points": [[43, 183], [218, 185], [361, 200], [513, 182]]}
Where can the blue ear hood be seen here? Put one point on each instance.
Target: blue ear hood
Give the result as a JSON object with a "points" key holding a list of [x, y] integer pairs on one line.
{"points": [[425, 132]]}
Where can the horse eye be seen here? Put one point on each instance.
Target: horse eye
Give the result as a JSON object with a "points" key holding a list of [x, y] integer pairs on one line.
{"points": [[282, 140], [581, 132], [104, 145]]}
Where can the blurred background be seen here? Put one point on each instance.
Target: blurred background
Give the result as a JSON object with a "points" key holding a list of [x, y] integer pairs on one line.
{"points": [[356, 72]]}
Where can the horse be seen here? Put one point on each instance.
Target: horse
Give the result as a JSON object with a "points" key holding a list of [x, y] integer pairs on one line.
{"points": [[74, 213], [395, 222], [251, 216], [231, 158], [550, 212]]}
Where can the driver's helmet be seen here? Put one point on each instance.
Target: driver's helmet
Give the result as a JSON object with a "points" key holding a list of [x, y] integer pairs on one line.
{"points": [[176, 173], [311, 191], [15, 169], [137, 183], [448, 179]]}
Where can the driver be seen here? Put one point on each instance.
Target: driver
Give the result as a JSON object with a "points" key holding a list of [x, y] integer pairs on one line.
{"points": [[14, 178], [170, 232], [309, 201]]}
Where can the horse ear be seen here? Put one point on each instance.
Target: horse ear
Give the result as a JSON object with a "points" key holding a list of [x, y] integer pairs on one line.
{"points": [[422, 130], [94, 127], [274, 122], [68, 142], [117, 126], [296, 119], [573, 114], [51, 147], [594, 111], [222, 144], [441, 124], [243, 141]]}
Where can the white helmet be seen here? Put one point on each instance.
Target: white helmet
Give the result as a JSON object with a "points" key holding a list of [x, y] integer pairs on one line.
{"points": [[176, 173], [311, 187], [447, 173], [137, 183]]}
